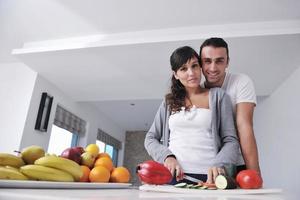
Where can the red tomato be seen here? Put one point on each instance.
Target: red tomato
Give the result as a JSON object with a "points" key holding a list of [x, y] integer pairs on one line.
{"points": [[249, 179]]}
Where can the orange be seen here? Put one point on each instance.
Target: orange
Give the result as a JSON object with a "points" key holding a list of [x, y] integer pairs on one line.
{"points": [[86, 172], [103, 154], [120, 175], [105, 162], [99, 174], [93, 149]]}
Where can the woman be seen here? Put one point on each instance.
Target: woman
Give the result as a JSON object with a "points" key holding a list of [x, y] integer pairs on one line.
{"points": [[193, 132]]}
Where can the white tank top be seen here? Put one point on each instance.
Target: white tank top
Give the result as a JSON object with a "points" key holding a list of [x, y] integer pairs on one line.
{"points": [[191, 139]]}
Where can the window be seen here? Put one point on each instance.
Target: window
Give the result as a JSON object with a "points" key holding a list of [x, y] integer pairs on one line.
{"points": [[66, 130], [113, 152], [108, 144], [109, 149], [61, 139], [101, 146]]}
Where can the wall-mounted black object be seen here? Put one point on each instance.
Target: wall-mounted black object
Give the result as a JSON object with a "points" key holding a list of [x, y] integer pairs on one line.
{"points": [[42, 119]]}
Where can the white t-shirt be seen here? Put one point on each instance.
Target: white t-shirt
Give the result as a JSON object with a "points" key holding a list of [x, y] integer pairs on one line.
{"points": [[240, 88], [191, 139]]}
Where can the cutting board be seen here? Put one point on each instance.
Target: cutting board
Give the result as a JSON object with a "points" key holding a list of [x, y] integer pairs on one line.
{"points": [[172, 189]]}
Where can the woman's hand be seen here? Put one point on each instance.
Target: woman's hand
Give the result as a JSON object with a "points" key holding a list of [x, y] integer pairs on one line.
{"points": [[213, 172], [172, 164]]}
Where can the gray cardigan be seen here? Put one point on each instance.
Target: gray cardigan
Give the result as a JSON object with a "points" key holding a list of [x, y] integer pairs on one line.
{"points": [[223, 129]]}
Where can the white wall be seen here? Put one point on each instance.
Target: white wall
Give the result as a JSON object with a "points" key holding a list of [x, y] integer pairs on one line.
{"points": [[16, 87], [20, 94], [88, 113], [277, 129]]}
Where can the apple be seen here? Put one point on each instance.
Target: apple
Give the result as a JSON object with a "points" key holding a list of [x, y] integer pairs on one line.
{"points": [[73, 153], [249, 179], [88, 159], [79, 149]]}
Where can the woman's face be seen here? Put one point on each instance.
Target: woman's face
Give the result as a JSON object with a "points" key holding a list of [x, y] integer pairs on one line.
{"points": [[189, 74]]}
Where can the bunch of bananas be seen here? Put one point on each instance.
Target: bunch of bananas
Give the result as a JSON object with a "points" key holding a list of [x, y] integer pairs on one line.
{"points": [[9, 165], [11, 173], [7, 159], [46, 168]]}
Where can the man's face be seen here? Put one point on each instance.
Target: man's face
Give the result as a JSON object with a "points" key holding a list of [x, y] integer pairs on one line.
{"points": [[214, 63]]}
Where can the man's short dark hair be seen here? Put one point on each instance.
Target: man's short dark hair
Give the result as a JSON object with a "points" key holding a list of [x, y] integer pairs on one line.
{"points": [[214, 42]]}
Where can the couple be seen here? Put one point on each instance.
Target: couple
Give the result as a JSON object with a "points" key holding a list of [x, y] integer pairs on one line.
{"points": [[194, 131]]}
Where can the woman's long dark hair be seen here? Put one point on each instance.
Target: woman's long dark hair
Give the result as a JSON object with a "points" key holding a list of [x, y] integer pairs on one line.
{"points": [[176, 98]]}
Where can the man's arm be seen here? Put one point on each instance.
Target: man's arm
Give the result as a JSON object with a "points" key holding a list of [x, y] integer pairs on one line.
{"points": [[244, 120]]}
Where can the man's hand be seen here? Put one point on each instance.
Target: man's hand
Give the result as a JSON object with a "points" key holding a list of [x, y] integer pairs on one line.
{"points": [[172, 164], [213, 172]]}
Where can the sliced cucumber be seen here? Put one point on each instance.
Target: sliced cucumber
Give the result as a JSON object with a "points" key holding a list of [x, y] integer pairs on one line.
{"points": [[203, 187], [195, 186], [190, 186], [180, 185]]}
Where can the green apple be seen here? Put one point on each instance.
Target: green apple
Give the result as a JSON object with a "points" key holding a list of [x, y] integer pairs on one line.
{"points": [[88, 159], [32, 153]]}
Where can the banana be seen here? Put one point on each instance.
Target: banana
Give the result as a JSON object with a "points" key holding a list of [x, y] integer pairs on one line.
{"points": [[11, 173], [62, 164], [7, 159], [39, 172]]}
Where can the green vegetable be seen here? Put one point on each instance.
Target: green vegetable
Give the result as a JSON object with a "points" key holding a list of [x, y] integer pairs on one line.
{"points": [[203, 187], [225, 182], [196, 186], [181, 185]]}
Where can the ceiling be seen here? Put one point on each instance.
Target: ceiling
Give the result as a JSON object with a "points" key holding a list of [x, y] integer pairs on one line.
{"points": [[114, 54]]}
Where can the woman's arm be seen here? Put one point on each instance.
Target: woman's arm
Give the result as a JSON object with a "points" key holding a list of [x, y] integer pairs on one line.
{"points": [[225, 137], [229, 144], [156, 150]]}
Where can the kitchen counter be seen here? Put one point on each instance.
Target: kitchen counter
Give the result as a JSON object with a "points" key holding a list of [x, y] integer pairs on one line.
{"points": [[117, 194]]}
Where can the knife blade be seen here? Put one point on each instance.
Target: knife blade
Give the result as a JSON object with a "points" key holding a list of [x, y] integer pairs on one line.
{"points": [[195, 180]]}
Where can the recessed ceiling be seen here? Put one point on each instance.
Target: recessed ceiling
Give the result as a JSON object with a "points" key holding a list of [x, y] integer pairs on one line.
{"points": [[114, 53]]}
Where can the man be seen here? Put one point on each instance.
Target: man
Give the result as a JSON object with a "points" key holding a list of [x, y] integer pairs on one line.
{"points": [[215, 59]]}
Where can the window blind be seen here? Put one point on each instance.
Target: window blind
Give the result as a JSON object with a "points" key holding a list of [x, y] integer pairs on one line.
{"points": [[67, 120], [106, 138]]}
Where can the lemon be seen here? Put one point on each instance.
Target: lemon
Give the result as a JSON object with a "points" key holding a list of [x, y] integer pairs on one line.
{"points": [[93, 149]]}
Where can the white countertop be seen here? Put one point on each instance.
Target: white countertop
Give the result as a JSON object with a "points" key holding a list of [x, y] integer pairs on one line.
{"points": [[117, 194]]}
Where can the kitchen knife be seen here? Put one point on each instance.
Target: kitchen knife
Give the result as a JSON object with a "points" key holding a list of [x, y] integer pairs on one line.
{"points": [[195, 180]]}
